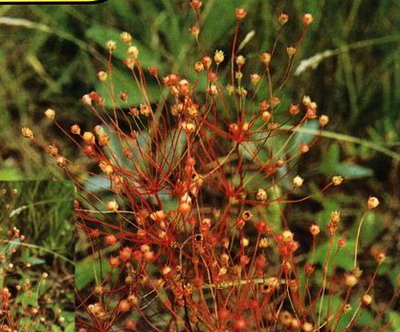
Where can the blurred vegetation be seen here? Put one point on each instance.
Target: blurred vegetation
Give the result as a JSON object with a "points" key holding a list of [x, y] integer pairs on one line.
{"points": [[42, 211]]}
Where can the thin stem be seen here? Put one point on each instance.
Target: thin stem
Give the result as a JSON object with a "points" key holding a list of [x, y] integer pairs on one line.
{"points": [[358, 237]]}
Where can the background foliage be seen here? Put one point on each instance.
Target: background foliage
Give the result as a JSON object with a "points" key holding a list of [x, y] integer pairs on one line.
{"points": [[42, 211]]}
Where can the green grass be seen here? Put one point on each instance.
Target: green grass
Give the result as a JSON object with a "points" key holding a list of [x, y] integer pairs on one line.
{"points": [[42, 211]]}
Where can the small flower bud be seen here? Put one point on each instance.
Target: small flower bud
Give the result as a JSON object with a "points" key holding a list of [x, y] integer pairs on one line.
{"points": [[87, 100], [52, 150], [291, 51], [75, 129], [230, 89], [298, 181], [311, 113], [350, 280], [133, 52], [124, 306], [125, 254], [264, 243], [335, 217], [366, 300], [294, 109], [307, 327], [184, 207], [287, 236], [112, 206], [266, 116], [195, 4], [225, 258], [102, 76], [283, 18], [130, 63], [265, 58], [240, 60], [372, 203], [255, 78], [314, 230], [194, 30], [110, 240], [238, 75], [145, 110], [219, 57], [153, 71], [246, 215], [323, 120], [261, 195], [126, 37], [337, 180], [240, 13], [306, 101], [88, 138], [280, 163], [61, 162], [206, 61], [198, 67], [27, 132], [111, 46], [189, 127], [275, 101], [307, 19], [50, 113], [222, 271], [212, 90], [166, 270], [380, 257], [309, 269], [304, 148]]}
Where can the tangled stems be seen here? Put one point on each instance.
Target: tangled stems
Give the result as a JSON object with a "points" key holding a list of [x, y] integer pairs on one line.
{"points": [[188, 226]]}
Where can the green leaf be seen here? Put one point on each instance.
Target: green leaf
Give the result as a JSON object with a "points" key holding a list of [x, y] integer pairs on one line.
{"points": [[330, 160], [394, 318], [350, 171], [87, 270], [35, 260], [394, 275], [10, 174], [344, 258], [371, 229]]}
